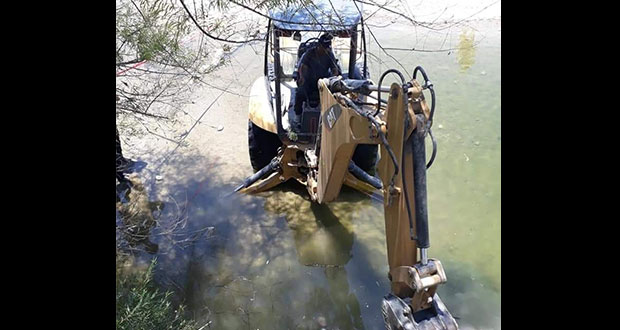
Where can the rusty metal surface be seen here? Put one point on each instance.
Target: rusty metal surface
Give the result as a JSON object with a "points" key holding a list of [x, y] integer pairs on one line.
{"points": [[422, 279]]}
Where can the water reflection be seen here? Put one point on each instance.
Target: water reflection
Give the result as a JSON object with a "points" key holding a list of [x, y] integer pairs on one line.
{"points": [[283, 262], [466, 53], [277, 264], [334, 306], [322, 239]]}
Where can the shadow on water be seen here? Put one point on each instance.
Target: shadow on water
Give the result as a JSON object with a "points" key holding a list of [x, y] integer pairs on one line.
{"points": [[323, 233], [136, 214], [278, 261], [325, 240], [280, 265]]}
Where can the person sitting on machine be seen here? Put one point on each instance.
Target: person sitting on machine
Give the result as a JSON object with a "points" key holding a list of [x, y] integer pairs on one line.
{"points": [[315, 63]]}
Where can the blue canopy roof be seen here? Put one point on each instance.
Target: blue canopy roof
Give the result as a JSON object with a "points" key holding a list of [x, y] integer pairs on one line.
{"points": [[318, 15]]}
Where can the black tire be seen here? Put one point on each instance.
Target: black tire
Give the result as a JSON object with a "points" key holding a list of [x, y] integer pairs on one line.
{"points": [[365, 157], [263, 146]]}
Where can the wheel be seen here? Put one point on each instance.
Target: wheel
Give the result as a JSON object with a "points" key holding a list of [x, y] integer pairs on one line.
{"points": [[365, 156], [263, 146]]}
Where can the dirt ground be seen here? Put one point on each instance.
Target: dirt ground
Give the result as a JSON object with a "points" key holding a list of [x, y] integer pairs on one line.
{"points": [[213, 127]]}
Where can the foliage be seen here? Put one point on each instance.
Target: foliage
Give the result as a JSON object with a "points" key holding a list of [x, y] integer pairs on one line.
{"points": [[141, 305], [165, 47], [259, 4], [150, 30], [156, 65]]}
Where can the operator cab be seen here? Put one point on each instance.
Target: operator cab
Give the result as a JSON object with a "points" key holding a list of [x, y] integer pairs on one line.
{"points": [[296, 34], [315, 60]]}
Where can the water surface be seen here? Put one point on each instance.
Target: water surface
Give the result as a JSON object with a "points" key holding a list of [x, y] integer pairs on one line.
{"points": [[278, 261]]}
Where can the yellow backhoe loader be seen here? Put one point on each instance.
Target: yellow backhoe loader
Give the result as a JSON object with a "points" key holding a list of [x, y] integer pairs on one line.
{"points": [[316, 117]]}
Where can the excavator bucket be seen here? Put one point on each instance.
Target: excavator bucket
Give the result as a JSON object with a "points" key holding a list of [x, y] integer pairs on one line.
{"points": [[397, 315]]}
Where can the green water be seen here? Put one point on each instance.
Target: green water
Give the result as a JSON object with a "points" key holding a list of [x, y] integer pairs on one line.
{"points": [[464, 182], [278, 261]]}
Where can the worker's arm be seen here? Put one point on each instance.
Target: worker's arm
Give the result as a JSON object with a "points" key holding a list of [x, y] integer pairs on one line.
{"points": [[335, 68], [300, 74]]}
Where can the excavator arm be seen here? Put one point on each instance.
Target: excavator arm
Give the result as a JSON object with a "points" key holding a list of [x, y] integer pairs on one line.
{"points": [[399, 125]]}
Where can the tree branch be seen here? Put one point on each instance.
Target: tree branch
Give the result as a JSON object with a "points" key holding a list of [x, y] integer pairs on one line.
{"points": [[140, 112], [212, 36], [137, 60]]}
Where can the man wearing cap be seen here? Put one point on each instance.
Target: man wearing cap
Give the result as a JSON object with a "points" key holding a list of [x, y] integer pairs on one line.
{"points": [[316, 63]]}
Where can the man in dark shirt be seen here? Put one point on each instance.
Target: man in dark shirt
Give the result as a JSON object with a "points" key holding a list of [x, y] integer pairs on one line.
{"points": [[316, 63]]}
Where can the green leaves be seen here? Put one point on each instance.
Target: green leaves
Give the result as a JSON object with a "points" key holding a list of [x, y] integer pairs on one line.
{"points": [[141, 305], [150, 30]]}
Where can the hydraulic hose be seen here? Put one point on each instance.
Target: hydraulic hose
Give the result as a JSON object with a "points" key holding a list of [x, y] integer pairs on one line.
{"points": [[430, 161], [362, 175], [268, 169], [419, 68], [402, 78], [377, 125], [428, 85], [407, 195]]}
